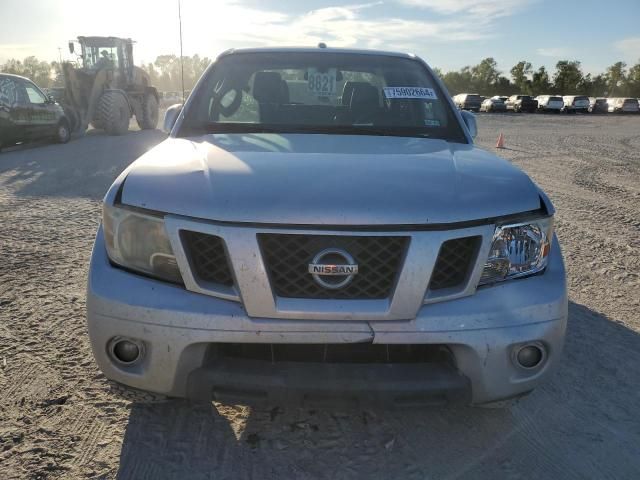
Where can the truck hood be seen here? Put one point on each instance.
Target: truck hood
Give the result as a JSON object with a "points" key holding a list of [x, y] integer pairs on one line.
{"points": [[316, 179]]}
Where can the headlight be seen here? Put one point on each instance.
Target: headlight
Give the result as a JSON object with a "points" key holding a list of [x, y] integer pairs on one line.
{"points": [[139, 242], [518, 250]]}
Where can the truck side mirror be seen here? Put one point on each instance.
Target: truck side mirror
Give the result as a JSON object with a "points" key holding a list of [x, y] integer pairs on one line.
{"points": [[470, 121], [170, 117], [71, 47]]}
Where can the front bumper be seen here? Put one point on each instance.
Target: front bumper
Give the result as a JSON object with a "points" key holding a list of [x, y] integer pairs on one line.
{"points": [[177, 328]]}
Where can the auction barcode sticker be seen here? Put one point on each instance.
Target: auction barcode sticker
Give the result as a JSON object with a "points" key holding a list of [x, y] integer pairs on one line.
{"points": [[410, 92]]}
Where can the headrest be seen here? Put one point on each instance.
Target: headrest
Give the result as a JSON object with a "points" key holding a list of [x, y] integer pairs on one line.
{"points": [[365, 96], [348, 90], [267, 87], [285, 92]]}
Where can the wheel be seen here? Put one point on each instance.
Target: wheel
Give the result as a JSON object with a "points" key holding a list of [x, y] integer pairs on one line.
{"points": [[149, 117], [97, 123], [63, 132], [112, 113]]}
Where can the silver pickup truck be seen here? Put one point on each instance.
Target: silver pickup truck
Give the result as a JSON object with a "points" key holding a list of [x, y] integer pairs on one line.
{"points": [[319, 226]]}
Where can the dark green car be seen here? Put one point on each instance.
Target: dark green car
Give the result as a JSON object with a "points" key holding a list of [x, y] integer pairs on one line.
{"points": [[27, 114]]}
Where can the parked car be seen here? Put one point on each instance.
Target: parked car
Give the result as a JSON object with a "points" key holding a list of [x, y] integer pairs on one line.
{"points": [[493, 104], [623, 105], [279, 249], [27, 114], [549, 103], [575, 103], [521, 103], [468, 101], [598, 105]]}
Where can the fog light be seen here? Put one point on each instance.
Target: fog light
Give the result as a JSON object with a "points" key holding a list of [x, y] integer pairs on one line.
{"points": [[125, 351], [530, 356]]}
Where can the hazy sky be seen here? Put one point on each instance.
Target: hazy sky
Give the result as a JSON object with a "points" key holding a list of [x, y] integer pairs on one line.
{"points": [[447, 33]]}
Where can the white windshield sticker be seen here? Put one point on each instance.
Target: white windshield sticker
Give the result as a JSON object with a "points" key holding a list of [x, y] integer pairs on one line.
{"points": [[410, 92], [322, 84]]}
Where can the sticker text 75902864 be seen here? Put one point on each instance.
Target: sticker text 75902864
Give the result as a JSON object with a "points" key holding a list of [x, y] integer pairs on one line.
{"points": [[410, 92]]}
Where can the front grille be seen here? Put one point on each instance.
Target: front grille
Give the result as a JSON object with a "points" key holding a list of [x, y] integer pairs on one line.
{"points": [[455, 261], [287, 258], [207, 257], [332, 352]]}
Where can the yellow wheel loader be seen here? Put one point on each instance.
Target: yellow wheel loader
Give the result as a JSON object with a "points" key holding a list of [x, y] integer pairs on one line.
{"points": [[105, 89]]}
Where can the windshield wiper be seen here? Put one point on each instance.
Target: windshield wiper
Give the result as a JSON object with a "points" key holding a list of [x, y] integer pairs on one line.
{"points": [[217, 127]]}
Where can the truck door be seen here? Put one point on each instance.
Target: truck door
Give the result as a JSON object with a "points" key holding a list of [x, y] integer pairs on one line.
{"points": [[14, 111], [7, 103], [43, 116]]}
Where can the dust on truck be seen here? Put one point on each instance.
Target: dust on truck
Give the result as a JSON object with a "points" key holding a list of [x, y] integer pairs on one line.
{"points": [[105, 89]]}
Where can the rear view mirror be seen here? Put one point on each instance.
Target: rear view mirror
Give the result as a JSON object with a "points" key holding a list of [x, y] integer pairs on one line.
{"points": [[170, 117], [71, 47], [470, 121]]}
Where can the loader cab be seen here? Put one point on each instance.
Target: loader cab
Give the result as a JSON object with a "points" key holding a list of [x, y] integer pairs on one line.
{"points": [[112, 53]]}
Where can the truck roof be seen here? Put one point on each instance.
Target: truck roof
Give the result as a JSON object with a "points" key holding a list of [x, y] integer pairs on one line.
{"points": [[12, 75], [316, 50]]}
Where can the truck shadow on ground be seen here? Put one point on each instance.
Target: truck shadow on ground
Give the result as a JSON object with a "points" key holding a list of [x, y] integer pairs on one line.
{"points": [[582, 424], [84, 167]]}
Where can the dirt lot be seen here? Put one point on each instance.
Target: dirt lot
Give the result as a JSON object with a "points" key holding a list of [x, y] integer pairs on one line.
{"points": [[60, 418]]}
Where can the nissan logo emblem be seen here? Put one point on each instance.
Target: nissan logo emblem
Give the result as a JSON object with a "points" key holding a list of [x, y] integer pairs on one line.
{"points": [[333, 268]]}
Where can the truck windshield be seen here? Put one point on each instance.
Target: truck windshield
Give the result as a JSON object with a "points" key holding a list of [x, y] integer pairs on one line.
{"points": [[323, 92]]}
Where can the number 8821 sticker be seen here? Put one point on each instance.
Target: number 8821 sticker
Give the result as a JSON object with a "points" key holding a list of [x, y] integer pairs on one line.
{"points": [[321, 83]]}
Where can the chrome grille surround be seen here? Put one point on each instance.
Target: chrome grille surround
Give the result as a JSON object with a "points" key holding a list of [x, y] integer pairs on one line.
{"points": [[252, 285]]}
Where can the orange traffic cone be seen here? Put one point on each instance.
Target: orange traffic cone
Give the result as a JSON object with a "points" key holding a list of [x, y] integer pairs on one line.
{"points": [[500, 143]]}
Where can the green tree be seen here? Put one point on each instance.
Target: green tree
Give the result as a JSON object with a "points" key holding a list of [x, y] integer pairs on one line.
{"points": [[458, 82], [632, 83], [520, 74], [540, 83], [504, 86], [485, 76], [616, 77], [595, 86], [36, 70], [568, 76], [167, 71], [58, 75]]}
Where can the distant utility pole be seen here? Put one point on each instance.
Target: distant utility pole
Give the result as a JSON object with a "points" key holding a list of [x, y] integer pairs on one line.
{"points": [[181, 62], [60, 54]]}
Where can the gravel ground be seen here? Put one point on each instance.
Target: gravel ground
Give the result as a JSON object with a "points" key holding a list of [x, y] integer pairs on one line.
{"points": [[60, 418]]}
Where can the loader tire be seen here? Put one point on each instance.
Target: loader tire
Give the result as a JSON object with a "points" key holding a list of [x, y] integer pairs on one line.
{"points": [[113, 113], [97, 123], [148, 120]]}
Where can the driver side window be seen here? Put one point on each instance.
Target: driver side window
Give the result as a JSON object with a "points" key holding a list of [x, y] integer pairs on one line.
{"points": [[34, 95]]}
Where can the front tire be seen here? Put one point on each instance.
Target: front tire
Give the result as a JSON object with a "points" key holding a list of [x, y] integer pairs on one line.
{"points": [[148, 120], [113, 113], [63, 132]]}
